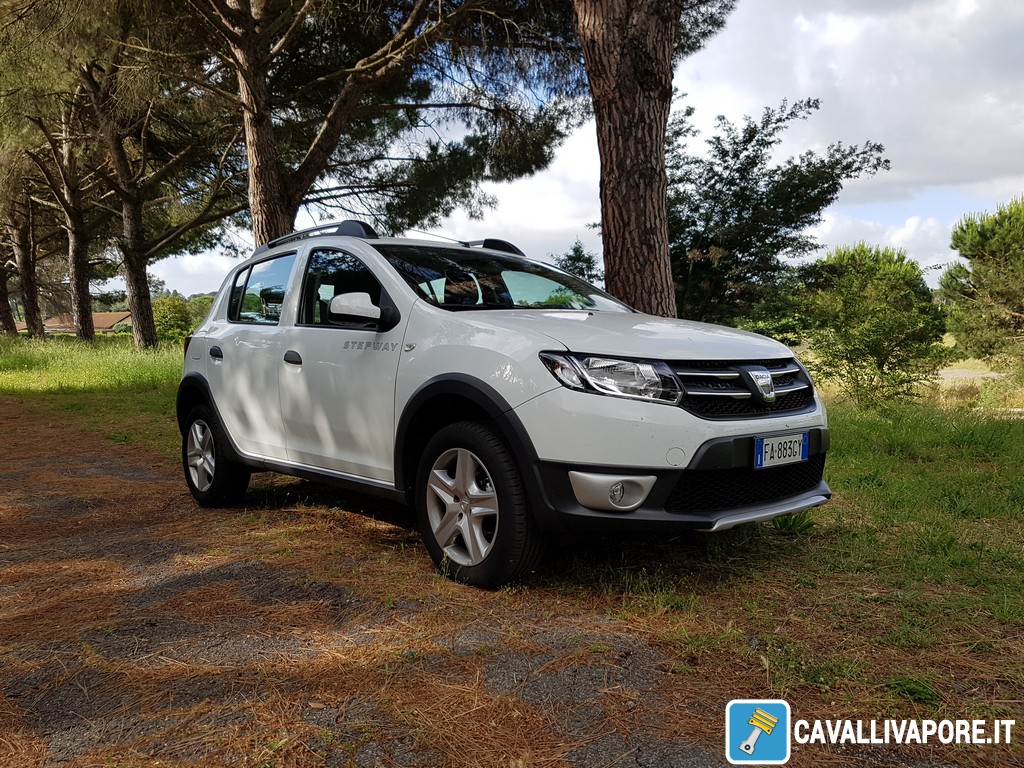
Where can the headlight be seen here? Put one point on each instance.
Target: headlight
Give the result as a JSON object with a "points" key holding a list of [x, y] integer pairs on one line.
{"points": [[636, 379]]}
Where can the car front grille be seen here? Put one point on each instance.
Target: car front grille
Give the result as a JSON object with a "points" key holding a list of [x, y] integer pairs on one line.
{"points": [[701, 491], [723, 389]]}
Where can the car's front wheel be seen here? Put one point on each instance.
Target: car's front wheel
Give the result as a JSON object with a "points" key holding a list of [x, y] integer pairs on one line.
{"points": [[472, 510], [212, 477]]}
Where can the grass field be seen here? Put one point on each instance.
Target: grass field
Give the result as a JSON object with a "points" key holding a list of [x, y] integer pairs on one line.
{"points": [[108, 387], [903, 597]]}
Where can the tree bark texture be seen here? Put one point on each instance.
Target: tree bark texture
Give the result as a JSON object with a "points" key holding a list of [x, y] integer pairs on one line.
{"points": [[79, 273], [273, 210], [131, 243], [19, 228], [7, 323], [628, 48]]}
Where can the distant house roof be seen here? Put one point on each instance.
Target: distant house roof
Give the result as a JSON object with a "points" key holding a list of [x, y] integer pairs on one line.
{"points": [[103, 322]]}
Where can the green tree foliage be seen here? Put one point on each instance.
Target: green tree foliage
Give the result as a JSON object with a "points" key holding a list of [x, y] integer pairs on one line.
{"points": [[171, 317], [580, 262], [735, 213], [876, 331], [133, 158], [782, 315], [986, 295], [145, 118], [395, 111], [198, 308]]}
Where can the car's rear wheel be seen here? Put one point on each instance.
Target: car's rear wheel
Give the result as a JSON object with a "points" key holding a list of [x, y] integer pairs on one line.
{"points": [[471, 507], [212, 477]]}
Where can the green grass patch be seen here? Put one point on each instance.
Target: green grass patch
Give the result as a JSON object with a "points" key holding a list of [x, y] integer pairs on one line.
{"points": [[914, 689], [106, 386]]}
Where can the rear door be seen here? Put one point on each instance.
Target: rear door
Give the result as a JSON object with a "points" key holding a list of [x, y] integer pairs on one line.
{"points": [[244, 358]]}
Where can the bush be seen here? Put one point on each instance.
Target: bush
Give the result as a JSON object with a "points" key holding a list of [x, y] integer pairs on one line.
{"points": [[171, 317], [198, 308], [876, 332]]}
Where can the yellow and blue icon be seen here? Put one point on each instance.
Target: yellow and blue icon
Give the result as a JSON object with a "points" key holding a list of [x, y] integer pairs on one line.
{"points": [[757, 732]]}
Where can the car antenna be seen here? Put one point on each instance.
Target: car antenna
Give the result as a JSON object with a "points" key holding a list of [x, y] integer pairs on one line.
{"points": [[440, 237]]}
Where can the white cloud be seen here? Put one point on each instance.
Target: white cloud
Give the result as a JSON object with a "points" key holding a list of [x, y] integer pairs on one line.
{"points": [[925, 239], [936, 81], [188, 275], [547, 212]]}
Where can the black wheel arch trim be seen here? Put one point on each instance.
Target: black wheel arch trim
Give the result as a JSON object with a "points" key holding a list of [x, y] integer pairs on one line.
{"points": [[184, 404], [481, 394]]}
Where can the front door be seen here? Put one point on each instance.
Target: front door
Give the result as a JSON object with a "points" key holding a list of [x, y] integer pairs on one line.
{"points": [[338, 390]]}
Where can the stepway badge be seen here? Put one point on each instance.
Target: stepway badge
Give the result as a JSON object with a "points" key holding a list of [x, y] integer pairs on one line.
{"points": [[757, 732]]}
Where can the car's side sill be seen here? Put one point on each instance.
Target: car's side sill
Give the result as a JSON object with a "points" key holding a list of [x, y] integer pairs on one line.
{"points": [[331, 477]]}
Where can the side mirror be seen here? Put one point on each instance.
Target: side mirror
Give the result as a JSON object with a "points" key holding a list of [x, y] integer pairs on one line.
{"points": [[354, 306]]}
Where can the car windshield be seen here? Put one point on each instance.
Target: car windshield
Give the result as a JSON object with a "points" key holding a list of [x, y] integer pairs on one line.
{"points": [[461, 279]]}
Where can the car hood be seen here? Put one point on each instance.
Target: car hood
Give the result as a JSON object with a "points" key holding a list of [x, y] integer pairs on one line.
{"points": [[638, 335]]}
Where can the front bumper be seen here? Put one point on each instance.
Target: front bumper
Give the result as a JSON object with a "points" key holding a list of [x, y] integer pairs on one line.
{"points": [[717, 490]]}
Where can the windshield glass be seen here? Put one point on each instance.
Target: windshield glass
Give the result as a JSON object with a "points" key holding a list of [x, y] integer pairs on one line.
{"points": [[464, 278]]}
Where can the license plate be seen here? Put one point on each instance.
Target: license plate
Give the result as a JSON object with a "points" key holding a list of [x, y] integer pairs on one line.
{"points": [[782, 449]]}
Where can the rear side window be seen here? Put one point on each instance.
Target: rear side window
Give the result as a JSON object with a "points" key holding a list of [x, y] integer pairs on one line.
{"points": [[261, 298]]}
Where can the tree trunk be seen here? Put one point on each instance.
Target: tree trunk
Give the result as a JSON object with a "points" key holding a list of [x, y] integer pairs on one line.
{"points": [[19, 227], [65, 184], [140, 303], [627, 46], [273, 212], [7, 323], [133, 251], [79, 271], [101, 85]]}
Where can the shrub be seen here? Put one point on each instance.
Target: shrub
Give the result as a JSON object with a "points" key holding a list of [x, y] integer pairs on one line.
{"points": [[876, 332], [171, 317]]}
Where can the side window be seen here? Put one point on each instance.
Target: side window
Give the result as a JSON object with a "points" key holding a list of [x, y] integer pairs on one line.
{"points": [[237, 292], [331, 273], [263, 296]]}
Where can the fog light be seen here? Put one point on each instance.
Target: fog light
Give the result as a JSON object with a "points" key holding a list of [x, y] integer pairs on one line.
{"points": [[615, 494], [612, 493]]}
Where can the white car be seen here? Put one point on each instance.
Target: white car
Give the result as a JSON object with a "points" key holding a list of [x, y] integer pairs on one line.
{"points": [[502, 398]]}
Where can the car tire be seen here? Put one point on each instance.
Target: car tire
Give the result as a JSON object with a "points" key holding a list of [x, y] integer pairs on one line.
{"points": [[212, 477], [471, 508]]}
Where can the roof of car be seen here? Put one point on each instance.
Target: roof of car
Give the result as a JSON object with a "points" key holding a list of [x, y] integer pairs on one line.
{"points": [[363, 231]]}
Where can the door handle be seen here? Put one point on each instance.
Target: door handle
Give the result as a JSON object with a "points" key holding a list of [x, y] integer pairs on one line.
{"points": [[293, 357], [216, 353]]}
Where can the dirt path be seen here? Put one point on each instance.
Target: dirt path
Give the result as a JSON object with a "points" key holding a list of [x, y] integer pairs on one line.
{"points": [[967, 374], [308, 628], [138, 629]]}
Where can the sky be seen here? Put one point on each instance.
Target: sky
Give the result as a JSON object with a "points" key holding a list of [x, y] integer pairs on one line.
{"points": [[940, 83]]}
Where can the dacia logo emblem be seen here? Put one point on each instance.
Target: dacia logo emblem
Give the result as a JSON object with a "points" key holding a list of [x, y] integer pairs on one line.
{"points": [[764, 383]]}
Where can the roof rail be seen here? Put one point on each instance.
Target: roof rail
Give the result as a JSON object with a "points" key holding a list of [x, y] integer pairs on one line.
{"points": [[495, 244], [347, 228]]}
